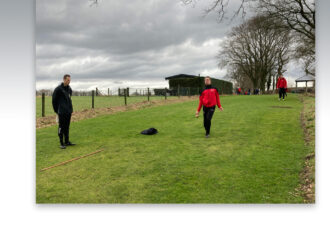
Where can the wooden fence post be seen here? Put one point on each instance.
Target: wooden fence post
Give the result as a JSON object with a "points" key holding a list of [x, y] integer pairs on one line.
{"points": [[118, 91], [93, 99], [165, 93], [296, 87], [148, 95], [108, 92], [43, 104], [125, 92]]}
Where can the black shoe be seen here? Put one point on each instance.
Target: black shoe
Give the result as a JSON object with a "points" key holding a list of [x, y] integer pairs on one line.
{"points": [[69, 144], [62, 147], [207, 135]]}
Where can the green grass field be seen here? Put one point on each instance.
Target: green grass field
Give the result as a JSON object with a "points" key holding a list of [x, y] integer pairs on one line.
{"points": [[85, 102], [254, 155]]}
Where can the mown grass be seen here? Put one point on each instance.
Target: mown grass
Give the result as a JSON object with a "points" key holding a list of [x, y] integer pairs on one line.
{"points": [[85, 102], [255, 155]]}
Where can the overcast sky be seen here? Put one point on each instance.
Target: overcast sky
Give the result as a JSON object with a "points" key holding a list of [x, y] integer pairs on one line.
{"points": [[126, 43]]}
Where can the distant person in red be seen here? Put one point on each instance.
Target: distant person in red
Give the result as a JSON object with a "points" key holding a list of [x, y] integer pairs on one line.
{"points": [[209, 98], [239, 90], [282, 86]]}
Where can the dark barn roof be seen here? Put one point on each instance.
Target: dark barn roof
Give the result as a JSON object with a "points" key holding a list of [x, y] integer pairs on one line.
{"points": [[181, 76]]}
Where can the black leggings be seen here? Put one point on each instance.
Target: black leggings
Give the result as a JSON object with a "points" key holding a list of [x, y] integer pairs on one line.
{"points": [[208, 114], [63, 127], [281, 92]]}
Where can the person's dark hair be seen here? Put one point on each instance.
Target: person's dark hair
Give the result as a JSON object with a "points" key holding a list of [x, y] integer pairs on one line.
{"points": [[66, 76], [208, 77]]}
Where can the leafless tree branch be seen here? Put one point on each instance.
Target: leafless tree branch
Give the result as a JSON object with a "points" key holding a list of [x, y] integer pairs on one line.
{"points": [[256, 51]]}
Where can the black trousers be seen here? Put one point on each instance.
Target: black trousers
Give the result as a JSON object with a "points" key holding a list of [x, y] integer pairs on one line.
{"points": [[281, 92], [208, 114], [63, 127]]}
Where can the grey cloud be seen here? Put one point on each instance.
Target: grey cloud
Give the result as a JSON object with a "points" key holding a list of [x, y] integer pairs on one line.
{"points": [[123, 26], [125, 42]]}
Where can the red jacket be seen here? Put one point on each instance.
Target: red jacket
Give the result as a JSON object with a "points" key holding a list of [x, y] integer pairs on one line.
{"points": [[209, 98], [281, 83]]}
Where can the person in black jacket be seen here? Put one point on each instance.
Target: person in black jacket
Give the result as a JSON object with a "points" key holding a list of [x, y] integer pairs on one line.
{"points": [[62, 106]]}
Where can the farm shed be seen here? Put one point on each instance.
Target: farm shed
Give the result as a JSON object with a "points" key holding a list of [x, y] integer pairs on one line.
{"points": [[191, 85]]}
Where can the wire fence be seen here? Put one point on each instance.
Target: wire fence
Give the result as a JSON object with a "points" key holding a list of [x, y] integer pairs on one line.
{"points": [[105, 98]]}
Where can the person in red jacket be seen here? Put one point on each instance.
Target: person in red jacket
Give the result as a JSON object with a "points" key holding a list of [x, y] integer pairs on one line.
{"points": [[209, 98], [282, 86]]}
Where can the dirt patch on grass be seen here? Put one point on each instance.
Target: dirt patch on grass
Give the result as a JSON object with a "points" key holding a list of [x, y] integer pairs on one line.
{"points": [[307, 118], [48, 121]]}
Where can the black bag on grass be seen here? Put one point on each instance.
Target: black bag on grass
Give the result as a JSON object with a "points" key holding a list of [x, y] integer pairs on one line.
{"points": [[150, 131]]}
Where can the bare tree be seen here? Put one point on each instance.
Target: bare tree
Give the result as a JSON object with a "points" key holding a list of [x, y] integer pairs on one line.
{"points": [[284, 51], [239, 78], [256, 50], [298, 16], [221, 7]]}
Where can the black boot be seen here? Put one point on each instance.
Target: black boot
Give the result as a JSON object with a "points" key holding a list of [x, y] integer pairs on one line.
{"points": [[62, 146], [69, 143], [66, 137]]}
